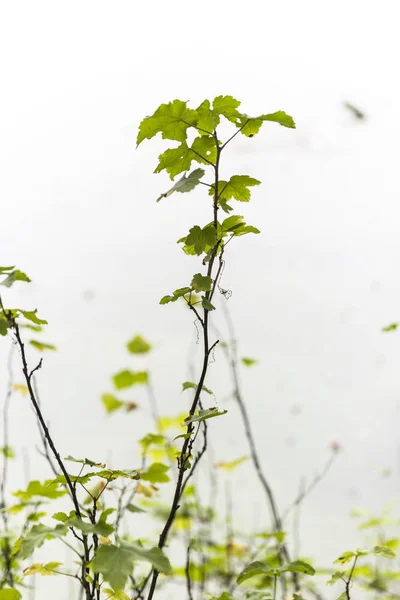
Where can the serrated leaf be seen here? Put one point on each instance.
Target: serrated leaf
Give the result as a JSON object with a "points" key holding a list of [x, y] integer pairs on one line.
{"points": [[111, 403], [138, 345], [175, 160], [13, 277], [116, 563], [201, 283], [185, 183], [203, 414], [126, 378], [171, 120], [206, 304], [41, 346], [156, 473], [208, 120], [36, 538], [237, 188], [204, 149], [227, 106]]}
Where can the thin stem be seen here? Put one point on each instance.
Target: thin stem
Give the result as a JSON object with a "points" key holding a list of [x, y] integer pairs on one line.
{"points": [[207, 349], [348, 582], [28, 375]]}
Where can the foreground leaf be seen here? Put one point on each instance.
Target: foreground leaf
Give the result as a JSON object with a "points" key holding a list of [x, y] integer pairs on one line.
{"points": [[185, 184]]}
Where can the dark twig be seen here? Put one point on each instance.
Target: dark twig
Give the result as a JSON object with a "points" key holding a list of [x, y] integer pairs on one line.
{"points": [[28, 375], [187, 571], [232, 358]]}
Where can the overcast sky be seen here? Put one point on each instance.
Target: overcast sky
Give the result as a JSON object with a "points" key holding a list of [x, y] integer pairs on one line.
{"points": [[310, 294]]}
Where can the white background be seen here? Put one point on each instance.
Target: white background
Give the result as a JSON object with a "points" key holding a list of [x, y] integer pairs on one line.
{"points": [[310, 294]]}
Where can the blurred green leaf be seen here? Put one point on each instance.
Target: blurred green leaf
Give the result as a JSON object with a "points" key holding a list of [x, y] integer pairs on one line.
{"points": [[138, 345]]}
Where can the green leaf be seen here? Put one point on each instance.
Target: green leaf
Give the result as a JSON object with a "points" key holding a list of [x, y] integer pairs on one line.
{"points": [[44, 570], [190, 385], [391, 327], [343, 596], [336, 576], [126, 378], [156, 473], [201, 283], [3, 325], [232, 222], [41, 346], [6, 269], [206, 304], [208, 120], [244, 229], [13, 277], [179, 293], [36, 538], [227, 106], [99, 528], [134, 509], [171, 120], [30, 315], [10, 594], [203, 414], [237, 188], [249, 362], [111, 403], [299, 566], [116, 563], [138, 345], [115, 594], [205, 150], [175, 160], [251, 126], [383, 551], [229, 466], [7, 451], [255, 568], [185, 184], [48, 489], [152, 439], [345, 558]]}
